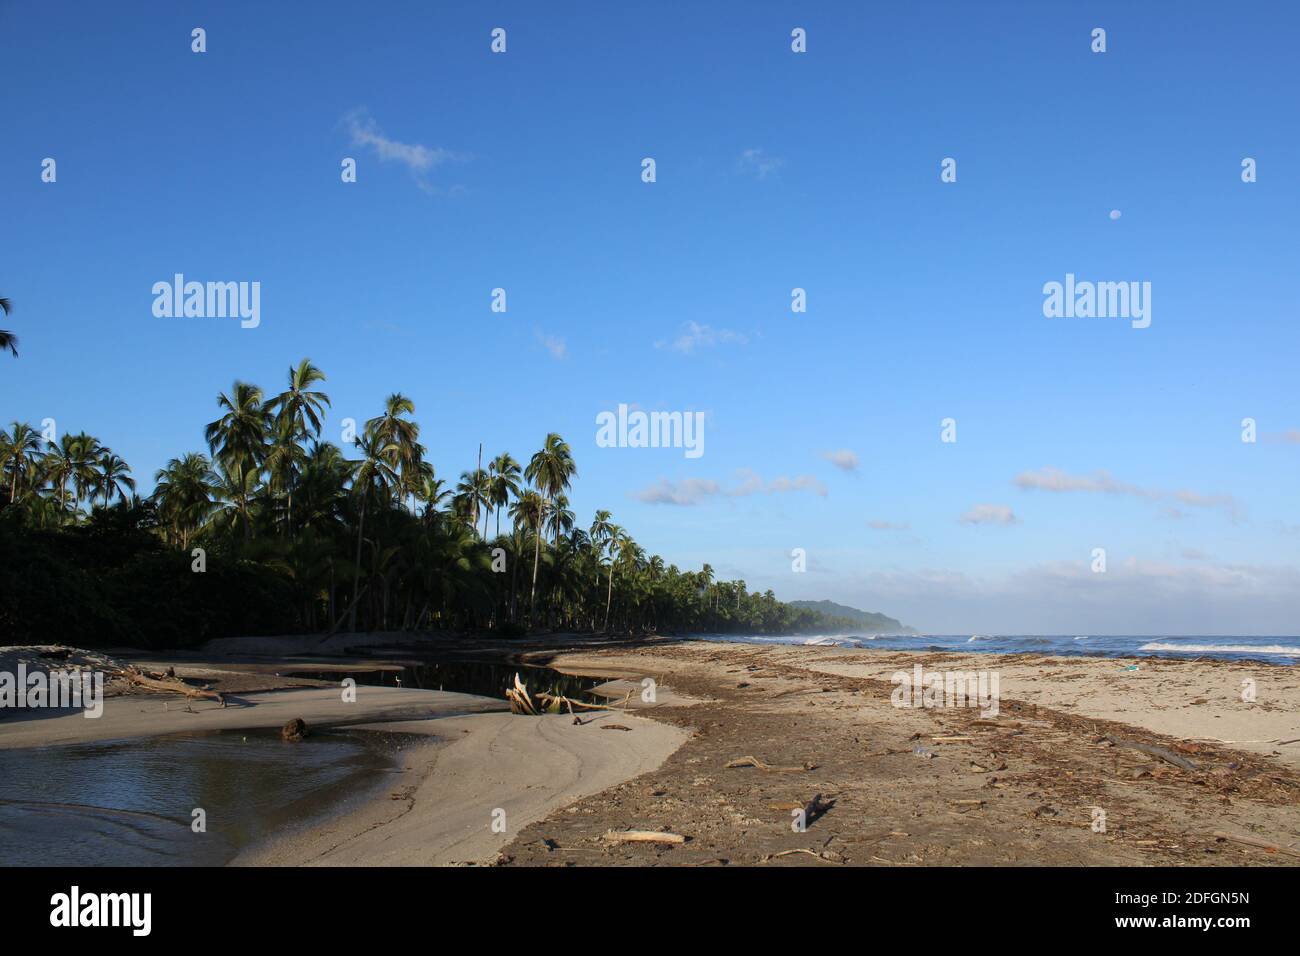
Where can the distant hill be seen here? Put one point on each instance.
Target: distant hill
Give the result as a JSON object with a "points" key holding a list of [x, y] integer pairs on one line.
{"points": [[869, 621]]}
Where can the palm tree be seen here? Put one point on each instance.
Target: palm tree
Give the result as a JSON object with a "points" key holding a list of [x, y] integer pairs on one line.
{"points": [[184, 492], [61, 464], [433, 495], [391, 429], [474, 492], [298, 412], [614, 542], [506, 475], [561, 519], [20, 450], [87, 452], [551, 470], [234, 489], [7, 339], [529, 509], [238, 438], [374, 467], [298, 404], [114, 477], [238, 441], [284, 459]]}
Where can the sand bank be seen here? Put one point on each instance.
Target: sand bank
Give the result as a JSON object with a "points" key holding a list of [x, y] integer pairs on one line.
{"points": [[149, 714], [442, 806]]}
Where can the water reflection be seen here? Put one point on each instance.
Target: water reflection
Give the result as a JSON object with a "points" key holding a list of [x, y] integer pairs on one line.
{"points": [[130, 803]]}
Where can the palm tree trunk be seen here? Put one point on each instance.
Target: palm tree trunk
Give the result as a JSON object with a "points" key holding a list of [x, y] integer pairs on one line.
{"points": [[609, 595], [356, 572], [537, 551]]}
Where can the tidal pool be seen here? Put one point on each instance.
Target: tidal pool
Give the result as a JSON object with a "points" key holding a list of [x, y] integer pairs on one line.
{"points": [[132, 802]]}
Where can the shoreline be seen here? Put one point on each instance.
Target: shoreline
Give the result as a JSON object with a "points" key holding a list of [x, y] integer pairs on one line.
{"points": [[912, 786]]}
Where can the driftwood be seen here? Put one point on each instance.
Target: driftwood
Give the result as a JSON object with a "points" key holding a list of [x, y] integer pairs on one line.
{"points": [[816, 856], [551, 698], [1256, 842], [175, 686], [1163, 753], [814, 808], [644, 836], [520, 701], [755, 762]]}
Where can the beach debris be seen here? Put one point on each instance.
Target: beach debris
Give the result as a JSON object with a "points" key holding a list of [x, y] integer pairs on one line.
{"points": [[294, 730], [520, 700], [950, 740], [644, 836], [1163, 753], [923, 753], [174, 685], [1256, 842], [751, 761], [815, 808], [614, 727], [965, 806]]}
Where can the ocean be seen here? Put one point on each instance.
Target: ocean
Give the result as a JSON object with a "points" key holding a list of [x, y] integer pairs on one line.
{"points": [[1270, 649]]}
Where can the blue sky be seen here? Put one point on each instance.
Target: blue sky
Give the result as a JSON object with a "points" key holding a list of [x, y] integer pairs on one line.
{"points": [[775, 170]]}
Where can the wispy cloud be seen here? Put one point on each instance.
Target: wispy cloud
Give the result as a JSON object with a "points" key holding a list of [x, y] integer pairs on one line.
{"points": [[694, 491], [879, 525], [418, 158], [553, 343], [688, 491], [1289, 437], [758, 163], [694, 335], [842, 458], [990, 514], [1101, 482]]}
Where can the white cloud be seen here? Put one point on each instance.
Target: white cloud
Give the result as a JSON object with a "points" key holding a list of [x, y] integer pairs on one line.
{"points": [[693, 491], [694, 335], [878, 525], [843, 459], [1101, 482], [416, 157], [990, 514], [689, 491], [757, 163]]}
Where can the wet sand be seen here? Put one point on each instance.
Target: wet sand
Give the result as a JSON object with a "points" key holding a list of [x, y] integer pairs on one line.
{"points": [[497, 769]]}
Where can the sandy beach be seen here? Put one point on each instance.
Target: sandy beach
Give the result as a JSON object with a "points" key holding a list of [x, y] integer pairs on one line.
{"points": [[899, 786]]}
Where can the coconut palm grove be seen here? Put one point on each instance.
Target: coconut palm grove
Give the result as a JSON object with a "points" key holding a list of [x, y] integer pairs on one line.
{"points": [[272, 530]]}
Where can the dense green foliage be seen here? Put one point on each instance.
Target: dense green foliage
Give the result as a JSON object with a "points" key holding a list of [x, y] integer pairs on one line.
{"points": [[294, 535], [870, 621]]}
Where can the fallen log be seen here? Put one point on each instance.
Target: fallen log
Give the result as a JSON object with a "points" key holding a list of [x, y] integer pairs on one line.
{"points": [[749, 761], [837, 858], [140, 679], [644, 836], [548, 698], [1150, 749]]}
